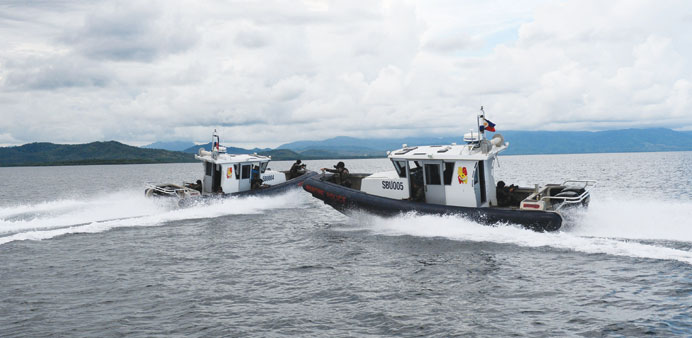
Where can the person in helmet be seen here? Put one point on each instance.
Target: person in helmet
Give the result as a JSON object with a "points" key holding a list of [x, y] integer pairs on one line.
{"points": [[341, 174], [196, 186], [505, 195], [296, 170]]}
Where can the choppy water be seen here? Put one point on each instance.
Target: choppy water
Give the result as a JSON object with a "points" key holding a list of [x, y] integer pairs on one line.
{"points": [[85, 254]]}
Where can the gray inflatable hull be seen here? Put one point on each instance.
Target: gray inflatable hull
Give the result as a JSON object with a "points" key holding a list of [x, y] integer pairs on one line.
{"points": [[272, 190], [346, 199]]}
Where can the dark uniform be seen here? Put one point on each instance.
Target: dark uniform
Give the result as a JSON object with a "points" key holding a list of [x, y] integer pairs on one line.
{"points": [[296, 169], [418, 193], [255, 180], [505, 195], [196, 186], [340, 174]]}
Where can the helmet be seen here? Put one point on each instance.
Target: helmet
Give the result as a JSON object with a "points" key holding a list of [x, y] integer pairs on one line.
{"points": [[340, 165], [299, 162]]}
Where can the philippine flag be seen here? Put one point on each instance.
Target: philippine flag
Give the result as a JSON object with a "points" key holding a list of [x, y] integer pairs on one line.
{"points": [[487, 125]]}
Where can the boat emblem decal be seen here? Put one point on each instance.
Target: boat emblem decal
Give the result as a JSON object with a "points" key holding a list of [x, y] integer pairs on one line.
{"points": [[463, 175], [229, 172]]}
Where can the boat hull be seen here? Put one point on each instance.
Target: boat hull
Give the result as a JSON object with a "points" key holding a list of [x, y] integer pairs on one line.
{"points": [[272, 190], [346, 199], [279, 188]]}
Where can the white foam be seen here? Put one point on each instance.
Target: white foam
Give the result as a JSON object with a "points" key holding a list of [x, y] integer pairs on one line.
{"points": [[608, 227], [127, 209], [63, 213], [637, 219], [39, 207]]}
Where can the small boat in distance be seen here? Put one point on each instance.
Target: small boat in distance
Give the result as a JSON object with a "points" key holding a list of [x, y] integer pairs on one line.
{"points": [[453, 179], [231, 175]]}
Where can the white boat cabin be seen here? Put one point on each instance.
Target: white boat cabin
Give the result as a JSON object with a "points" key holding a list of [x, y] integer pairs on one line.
{"points": [[232, 173], [458, 175]]}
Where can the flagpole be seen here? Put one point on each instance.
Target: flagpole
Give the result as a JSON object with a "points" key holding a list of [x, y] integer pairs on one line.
{"points": [[481, 132]]}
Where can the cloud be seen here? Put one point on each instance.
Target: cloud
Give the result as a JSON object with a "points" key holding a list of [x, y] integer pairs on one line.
{"points": [[266, 73], [132, 31], [7, 140], [452, 43], [252, 38], [53, 72]]}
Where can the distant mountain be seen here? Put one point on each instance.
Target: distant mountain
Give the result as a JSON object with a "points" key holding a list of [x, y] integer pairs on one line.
{"points": [[172, 146], [369, 146], [112, 152], [281, 154], [576, 142], [289, 154], [231, 150], [521, 142]]}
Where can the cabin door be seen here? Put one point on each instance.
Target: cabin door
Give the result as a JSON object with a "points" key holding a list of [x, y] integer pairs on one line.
{"points": [[216, 178], [434, 189], [244, 183]]}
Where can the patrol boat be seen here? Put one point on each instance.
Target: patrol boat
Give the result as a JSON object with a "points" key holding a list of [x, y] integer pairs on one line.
{"points": [[453, 179], [231, 175]]}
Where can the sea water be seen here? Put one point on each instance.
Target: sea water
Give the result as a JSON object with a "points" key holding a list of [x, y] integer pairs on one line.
{"points": [[84, 253]]}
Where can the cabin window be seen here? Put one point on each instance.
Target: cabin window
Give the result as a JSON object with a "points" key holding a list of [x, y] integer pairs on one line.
{"points": [[263, 166], [400, 167], [432, 174], [207, 168], [237, 172], [246, 171], [449, 169]]}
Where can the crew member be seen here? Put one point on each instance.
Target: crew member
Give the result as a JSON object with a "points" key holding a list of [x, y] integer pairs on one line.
{"points": [[502, 194], [295, 169], [505, 195], [196, 186], [341, 175], [418, 192], [255, 180]]}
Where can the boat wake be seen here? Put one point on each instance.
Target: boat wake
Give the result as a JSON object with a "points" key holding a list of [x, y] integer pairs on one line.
{"points": [[123, 209], [641, 229]]}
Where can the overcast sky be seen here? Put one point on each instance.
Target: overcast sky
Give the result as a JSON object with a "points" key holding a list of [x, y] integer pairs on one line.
{"points": [[269, 72]]}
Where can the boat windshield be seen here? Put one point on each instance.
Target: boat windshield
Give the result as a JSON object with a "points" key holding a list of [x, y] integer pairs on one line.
{"points": [[400, 167]]}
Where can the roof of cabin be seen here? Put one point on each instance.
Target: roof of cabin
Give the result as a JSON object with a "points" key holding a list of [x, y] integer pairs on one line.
{"points": [[447, 152], [233, 158]]}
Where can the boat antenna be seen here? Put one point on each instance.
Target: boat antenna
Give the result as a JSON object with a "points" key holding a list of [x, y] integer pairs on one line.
{"points": [[215, 144], [481, 131]]}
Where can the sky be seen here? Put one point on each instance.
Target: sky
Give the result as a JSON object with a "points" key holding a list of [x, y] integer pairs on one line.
{"points": [[264, 73]]}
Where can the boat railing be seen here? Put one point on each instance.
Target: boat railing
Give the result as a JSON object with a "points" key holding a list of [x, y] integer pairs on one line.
{"points": [[169, 190], [588, 185]]}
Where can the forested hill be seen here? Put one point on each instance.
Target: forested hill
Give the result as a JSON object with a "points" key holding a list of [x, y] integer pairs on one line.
{"points": [[112, 152], [612, 141], [523, 142]]}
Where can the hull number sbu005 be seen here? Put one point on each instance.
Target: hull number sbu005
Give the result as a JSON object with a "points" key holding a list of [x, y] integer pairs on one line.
{"points": [[392, 185]]}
